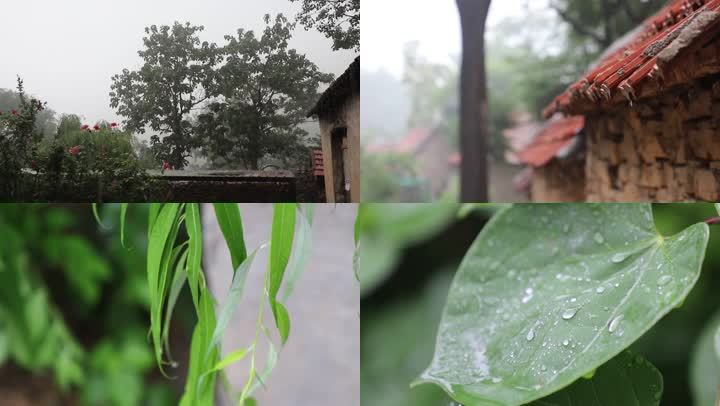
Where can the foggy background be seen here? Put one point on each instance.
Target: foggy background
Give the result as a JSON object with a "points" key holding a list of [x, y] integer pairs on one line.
{"points": [[66, 51]]}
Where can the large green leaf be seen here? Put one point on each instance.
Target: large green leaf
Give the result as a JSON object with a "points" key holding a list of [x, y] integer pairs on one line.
{"points": [[548, 293], [624, 380]]}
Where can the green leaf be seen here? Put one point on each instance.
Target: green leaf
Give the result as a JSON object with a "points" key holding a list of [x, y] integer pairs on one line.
{"points": [[200, 383], [717, 206], [705, 364], [123, 211], [548, 293], [281, 241], [228, 217], [301, 250], [236, 289], [159, 248], [233, 357], [97, 216], [194, 262], [624, 380]]}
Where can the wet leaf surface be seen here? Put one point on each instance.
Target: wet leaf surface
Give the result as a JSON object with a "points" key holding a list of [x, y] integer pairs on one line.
{"points": [[549, 293]]}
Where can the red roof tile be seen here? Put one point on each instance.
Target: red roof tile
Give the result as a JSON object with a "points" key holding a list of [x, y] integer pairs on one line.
{"points": [[556, 135], [642, 58]]}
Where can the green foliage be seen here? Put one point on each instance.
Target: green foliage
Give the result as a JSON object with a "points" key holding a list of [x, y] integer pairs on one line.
{"points": [[399, 320], [337, 20], [72, 301], [265, 90], [598, 280], [170, 265], [172, 81]]}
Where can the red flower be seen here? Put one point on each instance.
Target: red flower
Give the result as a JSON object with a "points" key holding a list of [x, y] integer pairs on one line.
{"points": [[14, 112], [113, 125], [74, 150], [96, 127], [166, 166], [84, 127]]}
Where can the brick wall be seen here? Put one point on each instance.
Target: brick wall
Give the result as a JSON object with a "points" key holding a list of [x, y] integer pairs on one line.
{"points": [[561, 180], [665, 148]]}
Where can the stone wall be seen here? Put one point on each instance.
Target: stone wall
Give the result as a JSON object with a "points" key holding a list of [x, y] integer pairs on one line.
{"points": [[664, 148], [561, 180]]}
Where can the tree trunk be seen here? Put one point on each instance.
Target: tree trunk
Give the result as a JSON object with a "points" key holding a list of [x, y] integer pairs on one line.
{"points": [[473, 101]]}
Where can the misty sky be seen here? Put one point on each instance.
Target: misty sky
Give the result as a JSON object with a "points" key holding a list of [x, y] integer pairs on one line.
{"points": [[433, 23], [66, 51]]}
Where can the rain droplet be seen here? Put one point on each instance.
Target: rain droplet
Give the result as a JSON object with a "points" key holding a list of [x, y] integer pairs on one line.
{"points": [[570, 313], [566, 342], [664, 280], [615, 323], [600, 289], [599, 238], [573, 300], [618, 258], [530, 335], [528, 295]]}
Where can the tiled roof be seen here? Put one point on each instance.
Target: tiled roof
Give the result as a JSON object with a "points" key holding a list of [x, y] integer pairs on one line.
{"points": [[557, 134], [682, 25], [409, 144], [317, 161], [342, 88]]}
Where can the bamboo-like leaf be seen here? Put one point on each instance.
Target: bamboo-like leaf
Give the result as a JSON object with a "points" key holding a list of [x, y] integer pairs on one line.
{"points": [[97, 216], [194, 263], [270, 363], [202, 391], [301, 251], [236, 289], [281, 240], [159, 239], [233, 357], [179, 278], [123, 212], [228, 217], [152, 215]]}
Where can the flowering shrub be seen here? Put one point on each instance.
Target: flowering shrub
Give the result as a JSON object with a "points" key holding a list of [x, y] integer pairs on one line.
{"points": [[18, 140], [82, 162]]}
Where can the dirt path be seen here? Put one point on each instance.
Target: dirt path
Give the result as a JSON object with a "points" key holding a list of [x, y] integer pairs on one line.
{"points": [[320, 364]]}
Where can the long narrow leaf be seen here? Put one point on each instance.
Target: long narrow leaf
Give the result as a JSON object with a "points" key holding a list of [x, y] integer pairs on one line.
{"points": [[97, 216], [301, 251], [228, 217], [123, 212], [194, 263], [202, 391], [281, 240], [160, 234], [236, 289], [177, 284]]}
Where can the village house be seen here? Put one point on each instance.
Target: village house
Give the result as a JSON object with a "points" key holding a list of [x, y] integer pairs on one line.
{"points": [[644, 123], [338, 111], [434, 158]]}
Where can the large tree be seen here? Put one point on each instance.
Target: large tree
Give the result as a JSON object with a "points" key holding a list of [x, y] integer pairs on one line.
{"points": [[338, 20], [473, 102], [264, 91], [177, 71]]}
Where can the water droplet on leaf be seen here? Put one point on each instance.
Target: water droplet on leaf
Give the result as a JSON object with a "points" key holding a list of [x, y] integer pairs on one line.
{"points": [[615, 323], [664, 280], [570, 313], [600, 289]]}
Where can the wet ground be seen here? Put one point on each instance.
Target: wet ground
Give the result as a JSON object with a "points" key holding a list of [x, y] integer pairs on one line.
{"points": [[320, 364]]}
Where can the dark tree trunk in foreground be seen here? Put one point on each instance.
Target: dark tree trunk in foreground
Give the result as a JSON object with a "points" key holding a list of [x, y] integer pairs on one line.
{"points": [[473, 102]]}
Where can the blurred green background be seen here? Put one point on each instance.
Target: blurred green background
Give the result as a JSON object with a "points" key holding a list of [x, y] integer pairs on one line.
{"points": [[409, 254], [74, 310]]}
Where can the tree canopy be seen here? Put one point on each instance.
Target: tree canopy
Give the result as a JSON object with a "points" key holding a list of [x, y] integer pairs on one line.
{"points": [[264, 91], [338, 20]]}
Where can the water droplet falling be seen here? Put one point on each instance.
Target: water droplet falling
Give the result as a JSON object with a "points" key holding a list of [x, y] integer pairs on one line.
{"points": [[615, 323], [664, 280], [570, 313], [599, 238]]}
